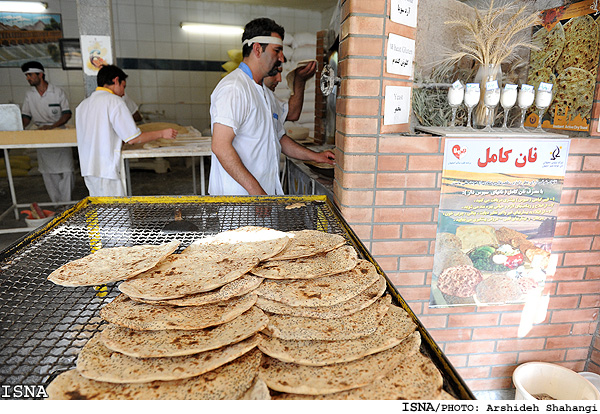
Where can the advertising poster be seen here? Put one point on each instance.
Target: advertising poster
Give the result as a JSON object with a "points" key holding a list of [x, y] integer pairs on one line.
{"points": [[568, 58], [96, 52], [496, 221]]}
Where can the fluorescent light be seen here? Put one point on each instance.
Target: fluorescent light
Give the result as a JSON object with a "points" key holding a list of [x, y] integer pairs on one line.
{"points": [[23, 6], [212, 28]]}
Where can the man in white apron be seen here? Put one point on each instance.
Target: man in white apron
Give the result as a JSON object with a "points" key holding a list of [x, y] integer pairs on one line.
{"points": [[47, 107], [247, 136]]}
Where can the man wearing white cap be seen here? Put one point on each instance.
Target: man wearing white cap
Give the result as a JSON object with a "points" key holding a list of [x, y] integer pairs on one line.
{"points": [[247, 137], [47, 107]]}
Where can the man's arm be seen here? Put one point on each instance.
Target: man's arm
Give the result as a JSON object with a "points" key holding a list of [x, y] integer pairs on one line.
{"points": [[222, 147], [148, 136], [296, 101], [61, 121], [292, 149]]}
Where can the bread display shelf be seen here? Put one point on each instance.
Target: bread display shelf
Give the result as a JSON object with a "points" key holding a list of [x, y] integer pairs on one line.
{"points": [[45, 326]]}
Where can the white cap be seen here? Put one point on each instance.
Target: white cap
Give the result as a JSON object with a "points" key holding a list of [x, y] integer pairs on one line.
{"points": [[264, 39]]}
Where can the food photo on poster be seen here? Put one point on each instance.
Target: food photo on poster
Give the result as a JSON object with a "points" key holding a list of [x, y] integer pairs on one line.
{"points": [[567, 56], [496, 221]]}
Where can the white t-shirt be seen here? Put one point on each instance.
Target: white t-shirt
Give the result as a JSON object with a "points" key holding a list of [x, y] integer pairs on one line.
{"points": [[249, 109], [43, 110], [103, 123]]}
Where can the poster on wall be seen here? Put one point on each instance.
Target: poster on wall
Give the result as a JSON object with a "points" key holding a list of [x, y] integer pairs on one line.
{"points": [[96, 51], [569, 40], [30, 36], [496, 221]]}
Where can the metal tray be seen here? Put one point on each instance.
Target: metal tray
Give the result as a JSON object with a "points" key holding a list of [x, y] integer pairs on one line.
{"points": [[44, 326]]}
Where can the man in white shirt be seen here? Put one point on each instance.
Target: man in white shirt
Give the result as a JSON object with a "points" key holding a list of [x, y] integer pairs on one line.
{"points": [[47, 107], [247, 137], [103, 123]]}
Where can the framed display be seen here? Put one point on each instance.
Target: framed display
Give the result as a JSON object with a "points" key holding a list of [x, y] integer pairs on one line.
{"points": [[70, 54], [30, 36]]}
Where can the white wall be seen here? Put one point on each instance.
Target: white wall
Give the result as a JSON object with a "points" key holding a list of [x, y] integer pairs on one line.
{"points": [[150, 29]]}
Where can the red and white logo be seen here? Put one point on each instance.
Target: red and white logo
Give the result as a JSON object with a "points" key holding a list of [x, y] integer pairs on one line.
{"points": [[458, 151]]}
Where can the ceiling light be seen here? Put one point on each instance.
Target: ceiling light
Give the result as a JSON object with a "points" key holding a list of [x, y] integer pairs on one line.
{"points": [[212, 28], [23, 6]]}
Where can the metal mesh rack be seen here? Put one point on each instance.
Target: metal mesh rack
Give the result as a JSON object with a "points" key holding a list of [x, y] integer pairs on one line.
{"points": [[44, 326]]}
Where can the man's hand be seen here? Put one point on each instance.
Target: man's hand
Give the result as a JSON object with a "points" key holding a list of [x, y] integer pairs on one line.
{"points": [[306, 72], [326, 157], [168, 133]]}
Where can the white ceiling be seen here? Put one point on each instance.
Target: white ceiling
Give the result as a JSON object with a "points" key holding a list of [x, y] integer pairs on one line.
{"points": [[318, 5]]}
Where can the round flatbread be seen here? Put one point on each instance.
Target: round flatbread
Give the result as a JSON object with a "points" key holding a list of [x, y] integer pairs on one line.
{"points": [[323, 291], [356, 325], [306, 243], [245, 284], [302, 379], [111, 264], [158, 126], [581, 36], [359, 302], [97, 362], [228, 382], [415, 378], [459, 281], [498, 289], [341, 259], [258, 391], [175, 342], [125, 312], [551, 44], [249, 242], [395, 326], [574, 93], [182, 275]]}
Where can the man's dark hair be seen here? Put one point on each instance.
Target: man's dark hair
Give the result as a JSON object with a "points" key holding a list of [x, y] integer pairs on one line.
{"points": [[33, 65], [107, 73], [262, 26]]}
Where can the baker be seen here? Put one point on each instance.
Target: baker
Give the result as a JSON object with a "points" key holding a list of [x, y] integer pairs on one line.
{"points": [[47, 107], [103, 123], [247, 137]]}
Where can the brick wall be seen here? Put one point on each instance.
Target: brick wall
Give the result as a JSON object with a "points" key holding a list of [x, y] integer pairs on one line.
{"points": [[387, 186]]}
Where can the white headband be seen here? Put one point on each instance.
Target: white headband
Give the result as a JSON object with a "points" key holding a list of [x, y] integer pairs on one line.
{"points": [[34, 70], [264, 39]]}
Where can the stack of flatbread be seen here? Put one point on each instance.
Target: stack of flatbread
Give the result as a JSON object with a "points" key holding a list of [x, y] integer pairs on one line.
{"points": [[252, 313]]}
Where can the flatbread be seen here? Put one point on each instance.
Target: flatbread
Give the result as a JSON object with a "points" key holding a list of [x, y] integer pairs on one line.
{"points": [[445, 241], [158, 126], [341, 259], [459, 281], [301, 379], [249, 242], [309, 242], [97, 362], [111, 264], [245, 284], [551, 44], [415, 378], [258, 391], [581, 36], [472, 236], [498, 289], [574, 93], [228, 382], [536, 76], [395, 326], [446, 258], [182, 275], [175, 342], [125, 312], [323, 291], [360, 301], [359, 324]]}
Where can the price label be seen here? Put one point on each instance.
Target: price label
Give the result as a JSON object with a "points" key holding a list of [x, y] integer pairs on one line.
{"points": [[473, 87], [491, 85], [510, 86], [457, 85], [545, 87]]}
